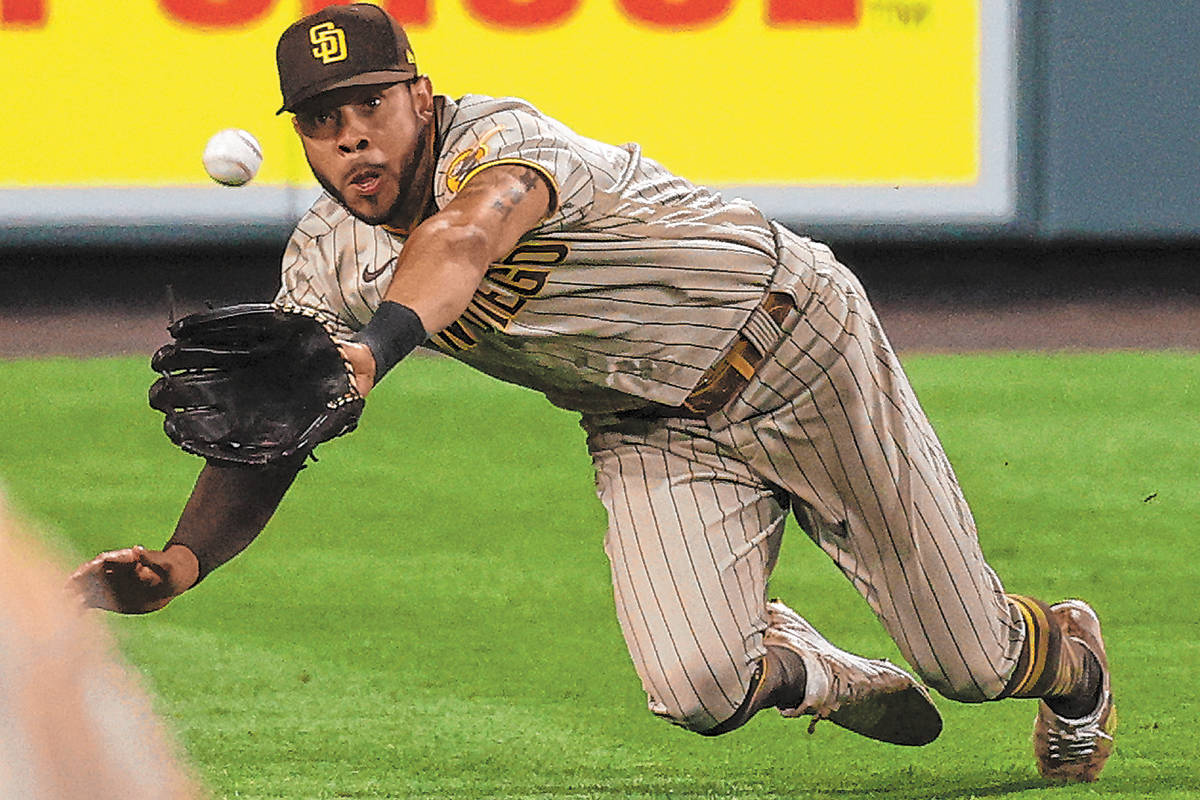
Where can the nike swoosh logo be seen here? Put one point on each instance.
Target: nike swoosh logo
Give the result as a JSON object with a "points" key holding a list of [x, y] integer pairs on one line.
{"points": [[369, 274]]}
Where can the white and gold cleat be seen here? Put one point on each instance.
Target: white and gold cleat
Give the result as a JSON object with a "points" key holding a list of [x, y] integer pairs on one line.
{"points": [[871, 697], [1075, 750]]}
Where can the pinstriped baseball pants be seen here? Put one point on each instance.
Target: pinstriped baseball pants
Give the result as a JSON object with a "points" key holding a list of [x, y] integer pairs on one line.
{"points": [[830, 429]]}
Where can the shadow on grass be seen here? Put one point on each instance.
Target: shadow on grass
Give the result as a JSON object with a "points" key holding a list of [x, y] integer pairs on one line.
{"points": [[918, 788], [982, 786], [992, 785], [901, 786]]}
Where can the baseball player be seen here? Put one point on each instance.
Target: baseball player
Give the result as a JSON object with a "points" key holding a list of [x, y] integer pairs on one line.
{"points": [[727, 371]]}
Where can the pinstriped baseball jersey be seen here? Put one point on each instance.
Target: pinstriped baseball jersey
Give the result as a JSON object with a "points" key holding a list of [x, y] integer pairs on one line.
{"points": [[633, 285]]}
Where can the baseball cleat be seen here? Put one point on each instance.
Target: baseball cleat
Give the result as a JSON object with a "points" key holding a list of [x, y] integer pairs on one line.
{"points": [[871, 697], [1076, 749]]}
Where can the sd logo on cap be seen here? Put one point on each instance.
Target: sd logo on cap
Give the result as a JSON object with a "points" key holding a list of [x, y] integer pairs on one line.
{"points": [[330, 42], [340, 46]]}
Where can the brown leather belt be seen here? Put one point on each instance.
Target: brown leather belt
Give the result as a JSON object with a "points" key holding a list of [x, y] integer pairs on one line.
{"points": [[731, 374]]}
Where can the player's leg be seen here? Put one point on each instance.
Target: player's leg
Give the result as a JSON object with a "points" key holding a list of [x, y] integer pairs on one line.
{"points": [[832, 417], [692, 540], [1063, 661]]}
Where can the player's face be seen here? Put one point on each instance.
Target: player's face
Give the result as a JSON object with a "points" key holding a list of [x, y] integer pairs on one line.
{"points": [[366, 144]]}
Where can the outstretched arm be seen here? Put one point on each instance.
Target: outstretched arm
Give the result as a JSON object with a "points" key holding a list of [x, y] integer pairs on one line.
{"points": [[443, 262], [228, 508]]}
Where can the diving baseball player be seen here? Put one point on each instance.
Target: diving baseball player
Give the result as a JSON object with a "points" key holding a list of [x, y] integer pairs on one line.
{"points": [[728, 372]]}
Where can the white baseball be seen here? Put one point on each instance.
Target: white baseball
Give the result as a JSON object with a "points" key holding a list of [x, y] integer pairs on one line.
{"points": [[232, 157]]}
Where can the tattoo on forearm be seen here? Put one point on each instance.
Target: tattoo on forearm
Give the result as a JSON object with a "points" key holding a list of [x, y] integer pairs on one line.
{"points": [[508, 201], [528, 177], [527, 180], [505, 203]]}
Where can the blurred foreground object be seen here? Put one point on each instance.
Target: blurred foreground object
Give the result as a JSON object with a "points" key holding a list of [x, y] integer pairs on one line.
{"points": [[74, 722]]}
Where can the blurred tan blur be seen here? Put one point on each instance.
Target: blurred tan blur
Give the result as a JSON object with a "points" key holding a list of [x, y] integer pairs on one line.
{"points": [[74, 722]]}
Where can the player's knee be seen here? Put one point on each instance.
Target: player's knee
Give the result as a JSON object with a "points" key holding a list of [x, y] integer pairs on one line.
{"points": [[689, 716], [696, 702], [967, 685]]}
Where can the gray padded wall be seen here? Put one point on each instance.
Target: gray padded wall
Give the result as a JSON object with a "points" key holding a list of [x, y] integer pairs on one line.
{"points": [[1118, 111]]}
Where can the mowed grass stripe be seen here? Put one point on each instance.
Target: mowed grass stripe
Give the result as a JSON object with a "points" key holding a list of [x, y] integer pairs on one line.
{"points": [[429, 614]]}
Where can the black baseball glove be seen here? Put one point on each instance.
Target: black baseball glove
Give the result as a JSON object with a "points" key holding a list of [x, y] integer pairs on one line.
{"points": [[254, 384]]}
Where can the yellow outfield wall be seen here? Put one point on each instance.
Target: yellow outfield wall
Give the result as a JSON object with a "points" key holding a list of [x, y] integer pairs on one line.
{"points": [[770, 92]]}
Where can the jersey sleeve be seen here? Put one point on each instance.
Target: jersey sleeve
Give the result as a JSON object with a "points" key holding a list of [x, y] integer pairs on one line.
{"points": [[308, 279], [517, 136]]}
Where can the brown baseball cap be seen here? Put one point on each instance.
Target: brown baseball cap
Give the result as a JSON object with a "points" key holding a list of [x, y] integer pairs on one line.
{"points": [[339, 46]]}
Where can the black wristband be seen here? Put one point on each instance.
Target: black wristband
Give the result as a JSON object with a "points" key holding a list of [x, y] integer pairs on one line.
{"points": [[394, 332]]}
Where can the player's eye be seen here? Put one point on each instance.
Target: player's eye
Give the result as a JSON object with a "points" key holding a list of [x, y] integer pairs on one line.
{"points": [[372, 103], [318, 124]]}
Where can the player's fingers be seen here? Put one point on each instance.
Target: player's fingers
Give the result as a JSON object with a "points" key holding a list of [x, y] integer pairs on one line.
{"points": [[137, 563], [132, 580], [123, 556], [148, 575], [99, 582], [155, 561], [91, 589], [93, 570], [362, 361], [126, 559]]}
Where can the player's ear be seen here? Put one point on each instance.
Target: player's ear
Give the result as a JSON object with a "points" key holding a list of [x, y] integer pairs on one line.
{"points": [[421, 90], [296, 125]]}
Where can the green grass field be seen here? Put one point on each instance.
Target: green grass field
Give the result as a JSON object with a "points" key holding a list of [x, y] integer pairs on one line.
{"points": [[429, 614]]}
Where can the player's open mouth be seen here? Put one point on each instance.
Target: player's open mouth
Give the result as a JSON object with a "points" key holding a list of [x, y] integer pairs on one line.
{"points": [[365, 181]]}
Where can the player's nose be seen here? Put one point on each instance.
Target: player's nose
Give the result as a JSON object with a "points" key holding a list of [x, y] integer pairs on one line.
{"points": [[352, 135], [353, 145]]}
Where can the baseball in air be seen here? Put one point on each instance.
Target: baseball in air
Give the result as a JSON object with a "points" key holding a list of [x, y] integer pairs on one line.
{"points": [[232, 157]]}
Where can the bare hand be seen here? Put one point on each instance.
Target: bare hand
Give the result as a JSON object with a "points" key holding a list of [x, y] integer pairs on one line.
{"points": [[362, 360], [134, 580]]}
